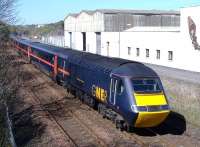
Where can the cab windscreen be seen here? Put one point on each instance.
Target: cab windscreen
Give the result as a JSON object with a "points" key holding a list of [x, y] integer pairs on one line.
{"points": [[147, 85]]}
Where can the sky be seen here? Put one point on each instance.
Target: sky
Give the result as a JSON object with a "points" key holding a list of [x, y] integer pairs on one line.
{"points": [[49, 11]]}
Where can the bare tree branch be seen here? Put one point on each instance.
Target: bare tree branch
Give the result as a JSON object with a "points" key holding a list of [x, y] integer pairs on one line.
{"points": [[7, 13]]}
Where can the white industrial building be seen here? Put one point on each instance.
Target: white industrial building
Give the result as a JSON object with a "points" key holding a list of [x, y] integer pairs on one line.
{"points": [[168, 38]]}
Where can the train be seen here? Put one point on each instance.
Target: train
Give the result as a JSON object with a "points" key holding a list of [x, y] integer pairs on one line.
{"points": [[127, 92]]}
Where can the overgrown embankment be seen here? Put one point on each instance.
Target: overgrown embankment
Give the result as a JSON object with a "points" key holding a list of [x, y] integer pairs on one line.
{"points": [[9, 84], [184, 98]]}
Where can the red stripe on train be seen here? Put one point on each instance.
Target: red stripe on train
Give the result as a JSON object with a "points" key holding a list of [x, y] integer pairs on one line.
{"points": [[55, 65]]}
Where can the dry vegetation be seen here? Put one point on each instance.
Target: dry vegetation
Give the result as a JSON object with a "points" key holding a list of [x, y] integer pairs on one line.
{"points": [[8, 77]]}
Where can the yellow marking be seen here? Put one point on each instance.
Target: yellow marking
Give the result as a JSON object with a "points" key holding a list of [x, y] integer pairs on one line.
{"points": [[103, 94], [150, 99], [99, 93], [150, 119]]}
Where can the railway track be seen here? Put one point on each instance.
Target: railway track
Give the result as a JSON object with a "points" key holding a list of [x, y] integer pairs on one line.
{"points": [[87, 114], [78, 133], [66, 134]]}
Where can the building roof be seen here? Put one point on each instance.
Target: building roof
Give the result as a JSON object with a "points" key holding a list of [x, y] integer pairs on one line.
{"points": [[138, 11], [126, 11]]}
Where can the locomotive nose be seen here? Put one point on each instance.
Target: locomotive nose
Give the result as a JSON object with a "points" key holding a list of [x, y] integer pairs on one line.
{"points": [[152, 109], [150, 119]]}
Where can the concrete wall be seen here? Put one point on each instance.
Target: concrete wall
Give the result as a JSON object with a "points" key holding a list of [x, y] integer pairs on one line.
{"points": [[143, 41], [110, 44], [91, 37], [55, 40]]}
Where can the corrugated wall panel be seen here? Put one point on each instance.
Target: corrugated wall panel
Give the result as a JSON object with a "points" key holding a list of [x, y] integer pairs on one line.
{"points": [[115, 22]]}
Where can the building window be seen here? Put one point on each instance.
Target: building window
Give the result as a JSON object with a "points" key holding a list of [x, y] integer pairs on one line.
{"points": [[129, 50], [137, 52], [157, 54], [170, 55], [147, 53]]}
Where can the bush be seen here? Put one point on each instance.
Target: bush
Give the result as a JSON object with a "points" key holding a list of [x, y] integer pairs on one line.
{"points": [[4, 34]]}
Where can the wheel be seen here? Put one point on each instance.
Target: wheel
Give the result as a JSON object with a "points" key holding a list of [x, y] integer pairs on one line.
{"points": [[119, 125], [58, 80], [68, 89], [85, 99], [98, 108], [92, 102], [127, 127], [81, 96]]}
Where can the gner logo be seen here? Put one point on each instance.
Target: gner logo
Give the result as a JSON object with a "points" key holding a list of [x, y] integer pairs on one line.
{"points": [[192, 32], [99, 93]]}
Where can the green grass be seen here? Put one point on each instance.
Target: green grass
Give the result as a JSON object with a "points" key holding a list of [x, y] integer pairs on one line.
{"points": [[184, 98]]}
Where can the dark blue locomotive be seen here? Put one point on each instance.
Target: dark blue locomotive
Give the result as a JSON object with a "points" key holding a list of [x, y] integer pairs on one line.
{"points": [[127, 92]]}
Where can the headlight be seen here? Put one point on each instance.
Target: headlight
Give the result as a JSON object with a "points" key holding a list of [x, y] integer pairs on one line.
{"points": [[138, 108], [165, 107], [149, 108], [142, 108]]}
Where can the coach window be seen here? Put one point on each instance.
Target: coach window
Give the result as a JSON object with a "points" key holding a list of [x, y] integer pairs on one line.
{"points": [[129, 50], [137, 52], [52, 59], [170, 55], [157, 54], [147, 53]]}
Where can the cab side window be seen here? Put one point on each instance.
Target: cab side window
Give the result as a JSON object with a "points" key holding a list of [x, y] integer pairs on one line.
{"points": [[120, 87]]}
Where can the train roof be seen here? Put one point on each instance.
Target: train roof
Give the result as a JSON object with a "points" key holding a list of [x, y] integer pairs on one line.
{"points": [[94, 61], [135, 71]]}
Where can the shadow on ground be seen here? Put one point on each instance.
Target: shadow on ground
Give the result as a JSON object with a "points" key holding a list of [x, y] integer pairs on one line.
{"points": [[175, 124], [25, 128]]}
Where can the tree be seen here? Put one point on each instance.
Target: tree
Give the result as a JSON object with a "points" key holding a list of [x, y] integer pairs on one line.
{"points": [[8, 75], [7, 16], [7, 13]]}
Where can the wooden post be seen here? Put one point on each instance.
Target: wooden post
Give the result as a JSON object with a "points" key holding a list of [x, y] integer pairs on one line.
{"points": [[55, 66]]}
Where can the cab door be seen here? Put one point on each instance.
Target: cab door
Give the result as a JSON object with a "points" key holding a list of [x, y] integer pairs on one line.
{"points": [[116, 92], [112, 97]]}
